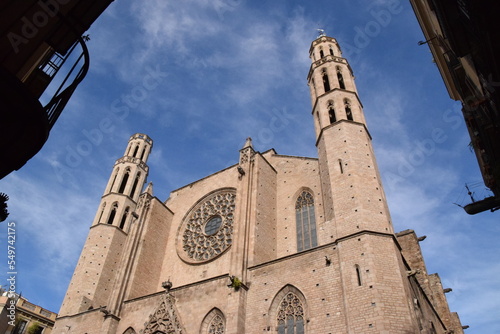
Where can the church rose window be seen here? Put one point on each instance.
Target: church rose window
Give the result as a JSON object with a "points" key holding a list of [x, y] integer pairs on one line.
{"points": [[207, 229], [212, 226], [291, 315], [306, 222]]}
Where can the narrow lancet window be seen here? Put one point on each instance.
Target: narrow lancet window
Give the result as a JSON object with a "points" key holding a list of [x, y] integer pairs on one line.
{"points": [[305, 221], [358, 275], [341, 168], [124, 182], [331, 51], [291, 315], [112, 214], [321, 53], [135, 151], [331, 113], [102, 211], [134, 187], [341, 78], [143, 152], [348, 110], [114, 180], [326, 82], [124, 218]]}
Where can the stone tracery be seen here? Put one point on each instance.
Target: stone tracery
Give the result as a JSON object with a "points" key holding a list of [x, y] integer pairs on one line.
{"points": [[196, 243], [216, 325], [291, 315]]}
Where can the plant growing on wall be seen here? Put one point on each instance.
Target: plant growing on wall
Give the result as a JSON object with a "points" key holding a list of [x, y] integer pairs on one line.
{"points": [[34, 328], [235, 283]]}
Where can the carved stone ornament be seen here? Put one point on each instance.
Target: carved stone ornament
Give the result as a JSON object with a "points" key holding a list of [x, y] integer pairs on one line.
{"points": [[207, 230], [246, 155], [165, 319]]}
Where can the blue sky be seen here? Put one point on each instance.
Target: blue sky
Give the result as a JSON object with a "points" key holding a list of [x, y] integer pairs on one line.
{"points": [[201, 76]]}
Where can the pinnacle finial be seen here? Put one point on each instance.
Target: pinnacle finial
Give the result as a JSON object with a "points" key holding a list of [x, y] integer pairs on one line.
{"points": [[248, 143], [149, 188], [321, 32]]}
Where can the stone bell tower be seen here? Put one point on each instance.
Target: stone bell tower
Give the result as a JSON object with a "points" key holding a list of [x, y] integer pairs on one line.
{"points": [[352, 190], [92, 282], [374, 286]]}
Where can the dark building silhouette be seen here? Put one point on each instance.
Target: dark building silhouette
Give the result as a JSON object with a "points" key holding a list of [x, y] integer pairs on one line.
{"points": [[463, 37], [39, 39]]}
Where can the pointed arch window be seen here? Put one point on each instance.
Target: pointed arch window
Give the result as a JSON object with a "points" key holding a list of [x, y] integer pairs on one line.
{"points": [[290, 315], [102, 211], [214, 323], [348, 110], [340, 77], [114, 179], [124, 181], [216, 326], [331, 51], [331, 113], [124, 218], [305, 221], [136, 181], [112, 214], [326, 82], [136, 150], [143, 152], [321, 53]]}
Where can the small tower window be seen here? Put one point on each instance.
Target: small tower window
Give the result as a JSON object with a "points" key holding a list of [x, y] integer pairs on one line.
{"points": [[143, 152], [341, 168], [124, 182], [112, 214], [305, 221], [331, 113], [102, 211], [341, 78], [135, 151], [326, 82], [321, 53], [348, 110], [358, 275], [124, 218], [114, 180], [331, 51], [136, 181]]}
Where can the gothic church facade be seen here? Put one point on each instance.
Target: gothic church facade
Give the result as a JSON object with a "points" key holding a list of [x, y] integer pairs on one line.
{"points": [[273, 244]]}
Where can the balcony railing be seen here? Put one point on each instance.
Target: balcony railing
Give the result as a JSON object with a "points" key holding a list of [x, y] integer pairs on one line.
{"points": [[62, 95]]}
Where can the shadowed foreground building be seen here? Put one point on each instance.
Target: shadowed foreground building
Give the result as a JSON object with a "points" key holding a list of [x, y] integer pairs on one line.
{"points": [[275, 243], [39, 41], [463, 38]]}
